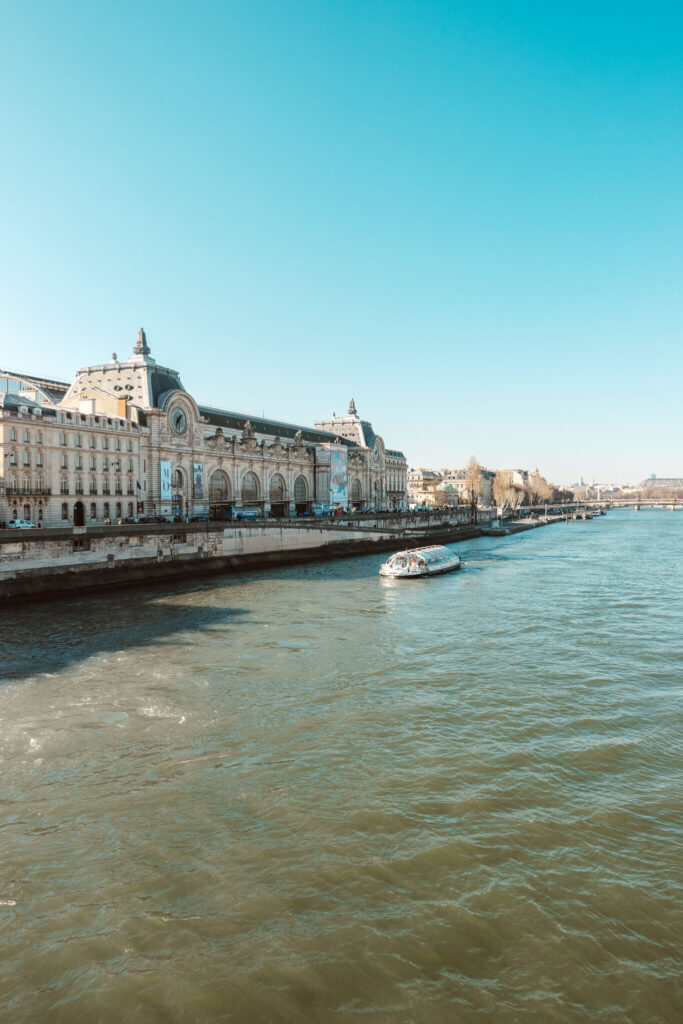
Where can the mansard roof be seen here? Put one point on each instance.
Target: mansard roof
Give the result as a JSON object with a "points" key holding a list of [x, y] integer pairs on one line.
{"points": [[54, 390], [139, 378], [271, 428]]}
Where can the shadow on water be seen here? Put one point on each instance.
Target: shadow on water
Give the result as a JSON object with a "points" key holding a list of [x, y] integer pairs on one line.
{"points": [[47, 638]]}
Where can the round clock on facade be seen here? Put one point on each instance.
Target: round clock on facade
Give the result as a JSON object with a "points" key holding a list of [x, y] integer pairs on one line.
{"points": [[178, 421]]}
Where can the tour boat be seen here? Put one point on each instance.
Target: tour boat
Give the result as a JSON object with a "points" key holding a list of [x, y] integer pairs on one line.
{"points": [[420, 562]]}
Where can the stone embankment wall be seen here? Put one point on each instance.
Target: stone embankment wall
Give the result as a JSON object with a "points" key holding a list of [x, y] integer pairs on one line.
{"points": [[51, 562]]}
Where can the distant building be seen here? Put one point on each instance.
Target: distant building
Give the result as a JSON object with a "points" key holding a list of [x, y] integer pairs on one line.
{"points": [[125, 439], [455, 482], [663, 483], [446, 487], [422, 485]]}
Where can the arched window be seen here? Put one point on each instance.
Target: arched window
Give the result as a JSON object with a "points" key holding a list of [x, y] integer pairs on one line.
{"points": [[178, 480], [119, 511], [250, 488], [65, 510], [105, 510], [356, 491], [219, 488], [277, 488], [93, 510], [130, 509], [300, 489]]}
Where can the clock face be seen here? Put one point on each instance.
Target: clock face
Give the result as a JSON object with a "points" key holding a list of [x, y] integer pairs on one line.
{"points": [[178, 421]]}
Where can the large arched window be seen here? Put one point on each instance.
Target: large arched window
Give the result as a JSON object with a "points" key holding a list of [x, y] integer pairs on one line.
{"points": [[250, 488], [178, 480], [277, 488], [219, 488], [300, 489], [356, 491]]}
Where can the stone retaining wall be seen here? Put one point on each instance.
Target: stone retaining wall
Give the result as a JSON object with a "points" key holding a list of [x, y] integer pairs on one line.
{"points": [[51, 562]]}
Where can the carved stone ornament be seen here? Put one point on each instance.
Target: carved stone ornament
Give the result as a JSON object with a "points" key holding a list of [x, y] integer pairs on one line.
{"points": [[299, 439], [218, 442], [248, 440], [277, 447]]}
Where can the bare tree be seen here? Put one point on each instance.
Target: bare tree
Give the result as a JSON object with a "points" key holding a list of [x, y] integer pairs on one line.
{"points": [[500, 488], [473, 485]]}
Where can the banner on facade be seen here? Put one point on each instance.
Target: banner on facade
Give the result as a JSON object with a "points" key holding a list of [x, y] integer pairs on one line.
{"points": [[165, 468], [339, 478], [198, 478]]}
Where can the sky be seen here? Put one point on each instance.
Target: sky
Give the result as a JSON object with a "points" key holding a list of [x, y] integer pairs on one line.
{"points": [[467, 216]]}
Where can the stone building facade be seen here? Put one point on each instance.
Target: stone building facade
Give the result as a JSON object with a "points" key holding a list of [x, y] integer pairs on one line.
{"points": [[61, 465], [126, 439], [378, 476]]}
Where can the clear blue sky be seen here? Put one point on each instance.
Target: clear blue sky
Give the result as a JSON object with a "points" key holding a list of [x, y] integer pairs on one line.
{"points": [[465, 215]]}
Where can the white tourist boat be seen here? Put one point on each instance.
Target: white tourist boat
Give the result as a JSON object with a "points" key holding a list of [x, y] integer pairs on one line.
{"points": [[420, 562]]}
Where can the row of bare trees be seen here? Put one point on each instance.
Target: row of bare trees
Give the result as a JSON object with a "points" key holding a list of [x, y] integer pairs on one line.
{"points": [[535, 491]]}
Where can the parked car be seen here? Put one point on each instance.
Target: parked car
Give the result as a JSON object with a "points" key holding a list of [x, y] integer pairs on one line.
{"points": [[20, 524], [199, 519]]}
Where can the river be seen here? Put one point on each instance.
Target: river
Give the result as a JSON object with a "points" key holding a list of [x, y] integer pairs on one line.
{"points": [[312, 795]]}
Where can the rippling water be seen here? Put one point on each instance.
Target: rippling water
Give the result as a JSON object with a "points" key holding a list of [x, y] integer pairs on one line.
{"points": [[315, 795]]}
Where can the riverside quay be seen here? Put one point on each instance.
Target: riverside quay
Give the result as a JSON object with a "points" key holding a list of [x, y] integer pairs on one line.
{"points": [[126, 439]]}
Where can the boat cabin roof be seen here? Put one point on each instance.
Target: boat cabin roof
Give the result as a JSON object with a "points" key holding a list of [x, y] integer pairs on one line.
{"points": [[435, 553]]}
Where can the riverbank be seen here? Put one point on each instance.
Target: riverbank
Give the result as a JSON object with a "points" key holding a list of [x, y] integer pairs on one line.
{"points": [[48, 564]]}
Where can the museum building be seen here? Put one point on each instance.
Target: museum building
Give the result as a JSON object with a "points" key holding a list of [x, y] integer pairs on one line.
{"points": [[126, 439]]}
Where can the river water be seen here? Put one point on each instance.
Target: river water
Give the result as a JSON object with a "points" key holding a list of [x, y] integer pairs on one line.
{"points": [[312, 795]]}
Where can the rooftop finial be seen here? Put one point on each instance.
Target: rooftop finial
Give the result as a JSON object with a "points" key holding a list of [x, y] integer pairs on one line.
{"points": [[352, 409], [141, 346]]}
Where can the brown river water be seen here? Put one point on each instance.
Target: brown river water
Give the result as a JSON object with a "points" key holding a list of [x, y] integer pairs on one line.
{"points": [[313, 795]]}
